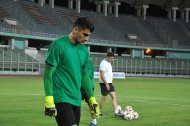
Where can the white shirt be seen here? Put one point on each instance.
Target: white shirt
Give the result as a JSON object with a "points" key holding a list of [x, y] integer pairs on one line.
{"points": [[107, 68]]}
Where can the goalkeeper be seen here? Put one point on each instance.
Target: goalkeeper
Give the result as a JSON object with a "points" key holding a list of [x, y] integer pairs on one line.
{"points": [[65, 69], [85, 97]]}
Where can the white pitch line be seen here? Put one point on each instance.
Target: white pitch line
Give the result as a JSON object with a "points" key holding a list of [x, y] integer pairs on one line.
{"points": [[22, 94], [170, 99], [136, 99], [162, 103], [142, 99], [151, 98]]}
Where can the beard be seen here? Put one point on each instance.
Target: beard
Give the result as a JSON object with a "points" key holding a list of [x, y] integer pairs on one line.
{"points": [[77, 42], [81, 42]]}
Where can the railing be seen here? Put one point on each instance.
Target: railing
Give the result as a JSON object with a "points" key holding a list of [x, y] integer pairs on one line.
{"points": [[17, 31], [17, 63], [150, 67]]}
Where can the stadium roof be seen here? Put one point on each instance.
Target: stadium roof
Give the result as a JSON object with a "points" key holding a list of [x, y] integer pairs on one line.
{"points": [[161, 3]]}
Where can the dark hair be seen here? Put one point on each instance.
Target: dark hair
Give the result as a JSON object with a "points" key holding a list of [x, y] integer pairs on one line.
{"points": [[84, 23], [110, 54]]}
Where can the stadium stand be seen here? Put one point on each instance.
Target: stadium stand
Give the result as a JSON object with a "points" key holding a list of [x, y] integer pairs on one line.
{"points": [[169, 31], [3, 13], [126, 31], [107, 28]]}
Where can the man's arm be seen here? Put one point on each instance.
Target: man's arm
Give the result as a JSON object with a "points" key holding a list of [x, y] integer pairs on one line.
{"points": [[48, 81], [104, 79], [87, 86], [48, 85]]}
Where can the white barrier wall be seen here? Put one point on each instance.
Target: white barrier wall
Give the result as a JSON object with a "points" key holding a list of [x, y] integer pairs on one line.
{"points": [[115, 75]]}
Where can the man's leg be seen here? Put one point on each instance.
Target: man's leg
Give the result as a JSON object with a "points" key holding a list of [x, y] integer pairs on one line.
{"points": [[101, 104], [114, 104], [113, 96], [65, 115], [77, 113], [114, 100], [102, 101], [104, 94]]}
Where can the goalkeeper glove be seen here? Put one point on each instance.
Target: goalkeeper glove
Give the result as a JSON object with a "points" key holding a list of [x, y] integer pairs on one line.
{"points": [[50, 109], [95, 107]]}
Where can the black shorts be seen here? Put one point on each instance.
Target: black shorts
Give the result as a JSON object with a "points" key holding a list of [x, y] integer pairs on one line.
{"points": [[67, 114], [104, 91], [84, 95]]}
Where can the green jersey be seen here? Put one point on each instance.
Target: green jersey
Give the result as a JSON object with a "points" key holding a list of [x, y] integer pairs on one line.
{"points": [[70, 61]]}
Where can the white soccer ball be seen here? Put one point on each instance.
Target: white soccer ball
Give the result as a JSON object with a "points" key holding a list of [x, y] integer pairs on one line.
{"points": [[123, 112], [128, 116], [129, 109], [135, 115]]}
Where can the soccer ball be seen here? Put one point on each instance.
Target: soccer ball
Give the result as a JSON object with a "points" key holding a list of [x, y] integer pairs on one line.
{"points": [[123, 112], [135, 115], [128, 116], [128, 108], [129, 113]]}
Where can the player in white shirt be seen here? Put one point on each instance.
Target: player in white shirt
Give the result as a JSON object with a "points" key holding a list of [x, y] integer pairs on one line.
{"points": [[105, 81]]}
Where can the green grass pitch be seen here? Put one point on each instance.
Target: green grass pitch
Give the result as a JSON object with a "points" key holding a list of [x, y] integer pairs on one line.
{"points": [[159, 102]]}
